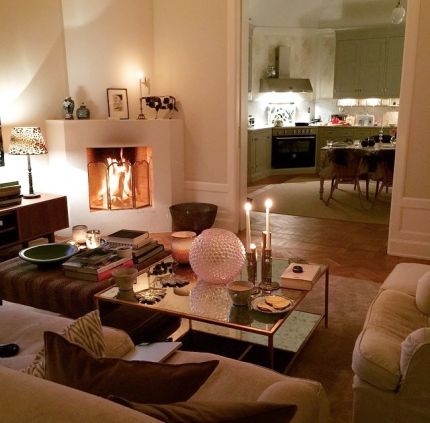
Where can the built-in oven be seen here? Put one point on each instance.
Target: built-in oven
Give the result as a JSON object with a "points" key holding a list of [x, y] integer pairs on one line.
{"points": [[293, 148]]}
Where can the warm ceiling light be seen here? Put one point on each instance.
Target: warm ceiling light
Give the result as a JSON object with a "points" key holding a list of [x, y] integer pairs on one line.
{"points": [[398, 14]]}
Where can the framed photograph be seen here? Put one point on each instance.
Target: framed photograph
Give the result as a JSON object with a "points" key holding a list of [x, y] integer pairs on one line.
{"points": [[117, 103]]}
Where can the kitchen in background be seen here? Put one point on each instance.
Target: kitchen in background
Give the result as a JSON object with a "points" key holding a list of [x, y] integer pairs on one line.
{"points": [[311, 55]]}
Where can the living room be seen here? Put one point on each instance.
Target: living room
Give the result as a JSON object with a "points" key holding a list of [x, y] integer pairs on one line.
{"points": [[54, 49]]}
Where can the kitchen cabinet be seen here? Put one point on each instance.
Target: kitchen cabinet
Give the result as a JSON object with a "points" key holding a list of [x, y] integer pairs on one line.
{"points": [[368, 63], [259, 153]]}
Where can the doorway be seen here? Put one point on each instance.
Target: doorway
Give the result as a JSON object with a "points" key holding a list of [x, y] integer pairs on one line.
{"points": [[310, 32]]}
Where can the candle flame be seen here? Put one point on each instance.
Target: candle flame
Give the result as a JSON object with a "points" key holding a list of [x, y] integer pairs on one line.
{"points": [[268, 203], [248, 206], [140, 75], [253, 246]]}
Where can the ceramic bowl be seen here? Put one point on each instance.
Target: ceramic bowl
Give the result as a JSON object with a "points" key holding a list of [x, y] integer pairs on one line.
{"points": [[48, 253]]}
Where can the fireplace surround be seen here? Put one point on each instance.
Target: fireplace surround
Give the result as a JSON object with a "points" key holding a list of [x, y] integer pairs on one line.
{"points": [[160, 142]]}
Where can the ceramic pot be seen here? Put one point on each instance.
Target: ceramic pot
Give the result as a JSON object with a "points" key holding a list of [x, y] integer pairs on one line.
{"points": [[125, 278], [181, 244]]}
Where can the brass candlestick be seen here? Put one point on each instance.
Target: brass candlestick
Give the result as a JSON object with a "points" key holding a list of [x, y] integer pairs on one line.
{"points": [[266, 268], [251, 258]]}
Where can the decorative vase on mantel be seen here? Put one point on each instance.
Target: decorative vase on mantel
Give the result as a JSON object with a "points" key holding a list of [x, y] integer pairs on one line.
{"points": [[68, 107]]}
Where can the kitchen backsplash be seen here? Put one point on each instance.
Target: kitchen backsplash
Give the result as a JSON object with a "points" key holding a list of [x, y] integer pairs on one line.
{"points": [[305, 109]]}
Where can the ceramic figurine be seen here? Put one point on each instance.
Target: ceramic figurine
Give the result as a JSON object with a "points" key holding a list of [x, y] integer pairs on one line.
{"points": [[68, 106]]}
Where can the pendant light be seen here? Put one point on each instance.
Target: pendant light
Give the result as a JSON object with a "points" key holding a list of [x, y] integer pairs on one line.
{"points": [[398, 14]]}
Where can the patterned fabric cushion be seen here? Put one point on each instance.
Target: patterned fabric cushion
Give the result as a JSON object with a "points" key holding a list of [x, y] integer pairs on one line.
{"points": [[85, 331]]}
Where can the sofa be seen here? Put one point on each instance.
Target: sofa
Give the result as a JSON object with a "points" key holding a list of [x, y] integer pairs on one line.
{"points": [[25, 397], [391, 357]]}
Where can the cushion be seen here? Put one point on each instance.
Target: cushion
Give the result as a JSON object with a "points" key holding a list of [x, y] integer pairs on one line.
{"points": [[141, 381], [85, 331], [422, 297], [416, 340], [214, 411]]}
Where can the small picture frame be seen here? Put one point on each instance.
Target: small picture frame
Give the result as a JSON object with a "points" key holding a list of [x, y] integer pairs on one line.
{"points": [[117, 103]]}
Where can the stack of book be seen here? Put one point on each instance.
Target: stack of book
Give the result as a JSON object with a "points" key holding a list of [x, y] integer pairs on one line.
{"points": [[145, 250], [10, 194], [95, 265]]}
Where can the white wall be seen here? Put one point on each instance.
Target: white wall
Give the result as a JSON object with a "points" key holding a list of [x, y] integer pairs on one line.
{"points": [[33, 80], [410, 210], [107, 43]]}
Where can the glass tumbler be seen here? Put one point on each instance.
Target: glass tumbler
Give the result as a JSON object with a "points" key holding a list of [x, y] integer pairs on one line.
{"points": [[93, 239]]}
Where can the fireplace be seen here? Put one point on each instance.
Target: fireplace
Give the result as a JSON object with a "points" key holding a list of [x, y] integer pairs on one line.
{"points": [[119, 178], [163, 148]]}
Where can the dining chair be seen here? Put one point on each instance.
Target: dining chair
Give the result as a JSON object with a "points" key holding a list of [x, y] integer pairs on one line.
{"points": [[384, 174], [348, 167]]}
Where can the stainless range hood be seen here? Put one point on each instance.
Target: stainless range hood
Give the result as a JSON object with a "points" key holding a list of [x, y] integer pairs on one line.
{"points": [[284, 83]]}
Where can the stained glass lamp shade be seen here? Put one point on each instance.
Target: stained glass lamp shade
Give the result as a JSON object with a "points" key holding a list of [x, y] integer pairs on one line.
{"points": [[27, 141]]}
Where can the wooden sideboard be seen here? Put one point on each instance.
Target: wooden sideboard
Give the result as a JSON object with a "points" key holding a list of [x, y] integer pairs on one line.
{"points": [[33, 218]]}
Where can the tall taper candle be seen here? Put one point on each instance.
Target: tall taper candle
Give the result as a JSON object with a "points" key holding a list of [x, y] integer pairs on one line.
{"points": [[268, 204], [248, 208]]}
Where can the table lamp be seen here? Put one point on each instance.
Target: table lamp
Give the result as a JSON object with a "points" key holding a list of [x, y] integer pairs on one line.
{"points": [[27, 141]]}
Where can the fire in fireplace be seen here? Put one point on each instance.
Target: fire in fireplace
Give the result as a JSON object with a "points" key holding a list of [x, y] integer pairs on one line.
{"points": [[119, 178]]}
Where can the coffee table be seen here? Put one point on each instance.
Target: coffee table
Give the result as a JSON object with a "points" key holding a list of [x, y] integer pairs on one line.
{"points": [[211, 304]]}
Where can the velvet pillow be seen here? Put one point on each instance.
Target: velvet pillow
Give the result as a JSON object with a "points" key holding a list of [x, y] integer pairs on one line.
{"points": [[422, 297], [85, 331], [214, 411], [140, 381]]}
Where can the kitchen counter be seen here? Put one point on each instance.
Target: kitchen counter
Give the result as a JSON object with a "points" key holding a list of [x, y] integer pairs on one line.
{"points": [[257, 128]]}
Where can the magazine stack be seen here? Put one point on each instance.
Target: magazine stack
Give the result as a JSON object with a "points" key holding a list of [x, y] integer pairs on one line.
{"points": [[10, 194]]}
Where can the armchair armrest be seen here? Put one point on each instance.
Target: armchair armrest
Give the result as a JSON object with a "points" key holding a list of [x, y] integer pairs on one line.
{"points": [[415, 363], [309, 396]]}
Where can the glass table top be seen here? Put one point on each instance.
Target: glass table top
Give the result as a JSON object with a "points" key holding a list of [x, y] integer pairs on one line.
{"points": [[210, 303]]}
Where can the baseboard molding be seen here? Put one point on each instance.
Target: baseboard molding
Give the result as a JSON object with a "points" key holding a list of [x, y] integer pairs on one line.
{"points": [[411, 249], [205, 186], [410, 230]]}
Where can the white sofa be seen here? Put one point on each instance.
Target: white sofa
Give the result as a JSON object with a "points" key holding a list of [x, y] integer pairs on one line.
{"points": [[391, 358], [28, 398]]}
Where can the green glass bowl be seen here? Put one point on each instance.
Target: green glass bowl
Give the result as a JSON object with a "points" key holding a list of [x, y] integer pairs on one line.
{"points": [[48, 253]]}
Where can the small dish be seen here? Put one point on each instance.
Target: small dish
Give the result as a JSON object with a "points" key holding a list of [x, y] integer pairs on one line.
{"points": [[48, 253], [270, 309]]}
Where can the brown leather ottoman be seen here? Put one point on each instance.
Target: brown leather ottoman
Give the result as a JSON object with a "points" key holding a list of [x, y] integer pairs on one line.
{"points": [[47, 288]]}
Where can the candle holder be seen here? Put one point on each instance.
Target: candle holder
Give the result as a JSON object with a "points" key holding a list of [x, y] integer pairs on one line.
{"points": [[266, 268], [251, 259]]}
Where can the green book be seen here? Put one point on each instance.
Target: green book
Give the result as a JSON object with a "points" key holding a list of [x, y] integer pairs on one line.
{"points": [[8, 184]]}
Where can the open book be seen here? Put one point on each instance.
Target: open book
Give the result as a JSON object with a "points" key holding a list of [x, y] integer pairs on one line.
{"points": [[304, 280]]}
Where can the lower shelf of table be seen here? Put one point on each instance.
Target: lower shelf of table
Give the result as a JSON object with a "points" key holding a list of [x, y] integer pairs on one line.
{"points": [[194, 340]]}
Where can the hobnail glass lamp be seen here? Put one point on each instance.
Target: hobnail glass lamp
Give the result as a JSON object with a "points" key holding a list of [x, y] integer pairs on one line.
{"points": [[217, 256]]}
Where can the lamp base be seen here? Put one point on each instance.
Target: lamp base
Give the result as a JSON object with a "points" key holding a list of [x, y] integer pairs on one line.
{"points": [[31, 196], [141, 116]]}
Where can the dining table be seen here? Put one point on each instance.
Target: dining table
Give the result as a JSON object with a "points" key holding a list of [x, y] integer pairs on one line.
{"points": [[360, 162]]}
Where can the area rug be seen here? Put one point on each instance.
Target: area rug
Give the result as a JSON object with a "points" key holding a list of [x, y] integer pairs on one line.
{"points": [[300, 197], [327, 355]]}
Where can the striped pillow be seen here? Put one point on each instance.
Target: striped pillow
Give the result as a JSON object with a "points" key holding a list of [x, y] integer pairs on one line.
{"points": [[85, 332]]}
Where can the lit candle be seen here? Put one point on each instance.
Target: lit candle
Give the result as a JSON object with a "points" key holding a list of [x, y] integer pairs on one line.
{"points": [[268, 204], [140, 76], [248, 208], [253, 249]]}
